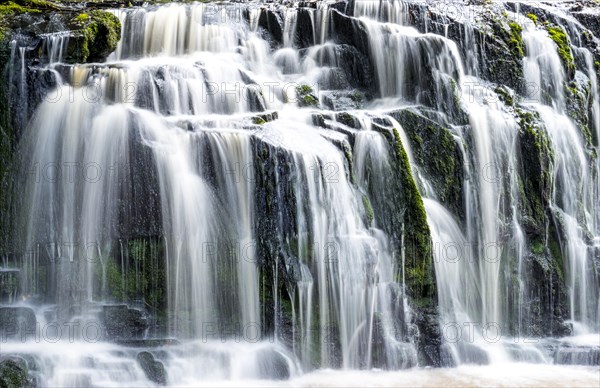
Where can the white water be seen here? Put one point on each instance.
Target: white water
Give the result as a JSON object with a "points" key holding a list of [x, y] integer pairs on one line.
{"points": [[186, 85]]}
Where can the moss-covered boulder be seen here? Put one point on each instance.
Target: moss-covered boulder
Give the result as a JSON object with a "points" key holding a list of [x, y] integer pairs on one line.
{"points": [[14, 373], [305, 96], [97, 34]]}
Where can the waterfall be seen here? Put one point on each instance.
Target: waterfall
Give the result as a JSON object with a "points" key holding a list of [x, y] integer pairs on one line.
{"points": [[262, 191]]}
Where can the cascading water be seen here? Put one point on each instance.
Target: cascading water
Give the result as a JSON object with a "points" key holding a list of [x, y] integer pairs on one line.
{"points": [[230, 197]]}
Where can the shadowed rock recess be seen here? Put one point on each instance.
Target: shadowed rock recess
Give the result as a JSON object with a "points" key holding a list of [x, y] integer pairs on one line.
{"points": [[201, 191]]}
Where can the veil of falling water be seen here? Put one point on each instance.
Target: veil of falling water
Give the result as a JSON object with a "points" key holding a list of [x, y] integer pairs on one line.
{"points": [[200, 107]]}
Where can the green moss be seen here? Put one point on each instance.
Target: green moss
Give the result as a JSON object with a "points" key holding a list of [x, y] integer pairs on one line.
{"points": [[137, 273], [559, 37], [505, 96], [258, 120], [516, 39], [304, 89], [306, 96], [578, 106], [81, 18], [537, 247], [533, 18], [13, 373], [100, 32], [536, 158], [9, 9], [357, 96], [435, 150], [346, 119], [368, 209], [418, 255], [310, 100]]}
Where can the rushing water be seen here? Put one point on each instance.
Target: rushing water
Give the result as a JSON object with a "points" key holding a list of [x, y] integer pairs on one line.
{"points": [[197, 133]]}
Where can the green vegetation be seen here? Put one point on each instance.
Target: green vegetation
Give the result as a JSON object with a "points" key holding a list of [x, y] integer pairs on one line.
{"points": [[306, 96], [533, 18], [418, 268], [505, 96], [141, 276], [304, 89], [258, 120], [436, 151], [535, 179], [357, 96], [13, 373], [100, 34], [81, 18], [537, 247], [368, 209], [516, 39], [559, 37]]}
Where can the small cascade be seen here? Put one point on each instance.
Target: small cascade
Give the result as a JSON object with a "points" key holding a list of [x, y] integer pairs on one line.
{"points": [[574, 202], [55, 47]]}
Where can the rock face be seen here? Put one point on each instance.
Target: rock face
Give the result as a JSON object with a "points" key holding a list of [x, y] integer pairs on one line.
{"points": [[13, 373], [154, 370], [122, 322]]}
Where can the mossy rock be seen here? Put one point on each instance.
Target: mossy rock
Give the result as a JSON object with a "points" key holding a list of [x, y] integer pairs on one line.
{"points": [[533, 18], [560, 37], [501, 47], [14, 373], [97, 35], [420, 277], [438, 154], [535, 172], [305, 96], [579, 103]]}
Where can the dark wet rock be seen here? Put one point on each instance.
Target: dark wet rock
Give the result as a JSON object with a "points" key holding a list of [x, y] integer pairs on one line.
{"points": [[429, 337], [304, 29], [343, 100], [350, 31], [271, 22], [265, 118], [122, 322], [14, 373], [435, 149], [154, 370]]}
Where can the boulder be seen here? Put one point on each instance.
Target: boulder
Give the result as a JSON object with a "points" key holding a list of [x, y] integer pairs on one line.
{"points": [[122, 322], [14, 373], [154, 370]]}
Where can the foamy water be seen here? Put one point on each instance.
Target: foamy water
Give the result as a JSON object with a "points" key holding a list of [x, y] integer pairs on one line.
{"points": [[502, 375]]}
